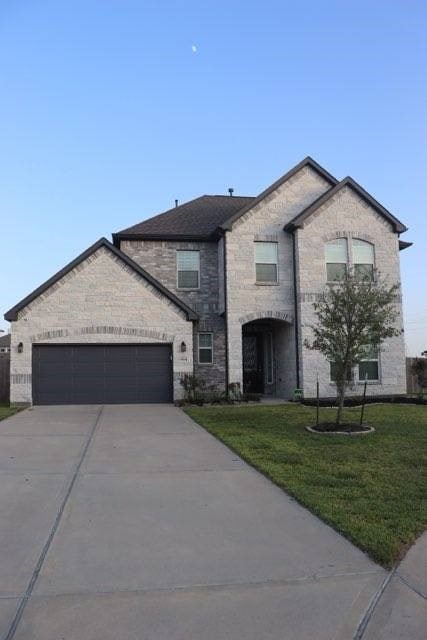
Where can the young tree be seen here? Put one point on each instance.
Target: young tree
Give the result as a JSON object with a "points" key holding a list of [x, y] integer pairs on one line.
{"points": [[354, 317]]}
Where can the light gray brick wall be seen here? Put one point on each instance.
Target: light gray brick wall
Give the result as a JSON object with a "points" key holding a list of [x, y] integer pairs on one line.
{"points": [[346, 215], [244, 297], [159, 259], [101, 300]]}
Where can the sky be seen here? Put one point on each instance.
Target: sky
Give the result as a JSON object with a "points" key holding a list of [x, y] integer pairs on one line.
{"points": [[111, 109]]}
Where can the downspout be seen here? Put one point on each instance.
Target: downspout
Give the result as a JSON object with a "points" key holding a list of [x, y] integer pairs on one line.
{"points": [[226, 313], [294, 252]]}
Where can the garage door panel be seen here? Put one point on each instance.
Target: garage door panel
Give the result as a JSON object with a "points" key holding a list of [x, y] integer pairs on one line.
{"points": [[120, 354], [90, 354], [88, 382], [101, 374], [119, 369], [55, 354]]}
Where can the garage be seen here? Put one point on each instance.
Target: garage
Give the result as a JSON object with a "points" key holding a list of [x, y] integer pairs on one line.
{"points": [[101, 373]]}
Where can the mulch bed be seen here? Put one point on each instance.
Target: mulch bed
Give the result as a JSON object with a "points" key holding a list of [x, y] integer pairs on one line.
{"points": [[346, 428]]}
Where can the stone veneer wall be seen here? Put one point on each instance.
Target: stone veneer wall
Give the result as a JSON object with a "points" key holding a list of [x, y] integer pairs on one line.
{"points": [[346, 215], [102, 300], [245, 298], [159, 259]]}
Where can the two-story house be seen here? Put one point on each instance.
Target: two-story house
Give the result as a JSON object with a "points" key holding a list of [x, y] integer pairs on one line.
{"points": [[221, 286]]}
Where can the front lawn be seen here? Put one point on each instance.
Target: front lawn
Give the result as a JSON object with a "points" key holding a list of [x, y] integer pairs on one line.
{"points": [[6, 411], [371, 488]]}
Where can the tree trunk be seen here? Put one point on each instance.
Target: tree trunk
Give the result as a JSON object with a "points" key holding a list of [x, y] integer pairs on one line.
{"points": [[341, 391]]}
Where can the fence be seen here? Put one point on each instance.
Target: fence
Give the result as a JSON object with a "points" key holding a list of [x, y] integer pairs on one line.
{"points": [[4, 377], [412, 384]]}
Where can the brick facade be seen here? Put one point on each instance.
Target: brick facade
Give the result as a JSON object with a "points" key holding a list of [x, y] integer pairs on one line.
{"points": [[346, 215], [101, 300], [247, 300], [159, 259]]}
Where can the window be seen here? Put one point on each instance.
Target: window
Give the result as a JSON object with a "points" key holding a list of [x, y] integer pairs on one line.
{"points": [[363, 259], [336, 259], [369, 366], [188, 269], [205, 348], [266, 262], [333, 372]]}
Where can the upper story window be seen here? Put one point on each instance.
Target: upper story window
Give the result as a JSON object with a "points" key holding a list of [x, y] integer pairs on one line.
{"points": [[363, 259], [336, 258], [266, 262], [188, 269]]}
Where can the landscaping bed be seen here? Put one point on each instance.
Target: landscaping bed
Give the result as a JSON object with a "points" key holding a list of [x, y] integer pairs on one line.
{"points": [[355, 401], [348, 428], [371, 489], [6, 411]]}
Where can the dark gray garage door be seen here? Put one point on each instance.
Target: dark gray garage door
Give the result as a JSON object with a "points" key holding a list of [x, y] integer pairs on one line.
{"points": [[101, 374]]}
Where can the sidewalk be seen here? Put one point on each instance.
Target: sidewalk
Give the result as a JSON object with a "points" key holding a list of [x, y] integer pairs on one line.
{"points": [[401, 611]]}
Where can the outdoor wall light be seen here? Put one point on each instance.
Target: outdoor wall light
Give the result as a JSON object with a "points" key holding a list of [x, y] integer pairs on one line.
{"points": [[20, 347], [183, 347]]}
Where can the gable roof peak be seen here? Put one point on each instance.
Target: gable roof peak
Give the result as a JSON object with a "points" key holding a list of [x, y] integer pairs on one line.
{"points": [[303, 216], [12, 314], [306, 162]]}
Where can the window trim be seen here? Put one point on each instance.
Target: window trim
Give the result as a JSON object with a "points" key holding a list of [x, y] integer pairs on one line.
{"points": [[372, 380], [211, 348], [267, 282], [354, 263], [178, 270], [346, 263], [350, 264]]}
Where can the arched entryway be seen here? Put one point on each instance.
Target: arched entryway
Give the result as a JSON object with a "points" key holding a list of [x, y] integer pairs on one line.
{"points": [[268, 357]]}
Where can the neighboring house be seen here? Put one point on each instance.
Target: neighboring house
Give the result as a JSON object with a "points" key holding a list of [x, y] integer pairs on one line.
{"points": [[5, 344], [221, 286]]}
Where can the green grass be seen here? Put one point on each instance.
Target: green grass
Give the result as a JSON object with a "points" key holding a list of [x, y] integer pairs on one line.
{"points": [[371, 488], [6, 411]]}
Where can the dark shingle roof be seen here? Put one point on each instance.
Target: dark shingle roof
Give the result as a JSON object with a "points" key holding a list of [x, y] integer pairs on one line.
{"points": [[198, 218], [5, 340], [206, 217]]}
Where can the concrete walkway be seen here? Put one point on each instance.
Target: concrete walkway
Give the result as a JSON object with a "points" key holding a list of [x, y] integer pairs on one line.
{"points": [[133, 523], [401, 610]]}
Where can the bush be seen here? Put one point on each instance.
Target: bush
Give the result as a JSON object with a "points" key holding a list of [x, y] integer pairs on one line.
{"points": [[251, 397], [192, 384]]}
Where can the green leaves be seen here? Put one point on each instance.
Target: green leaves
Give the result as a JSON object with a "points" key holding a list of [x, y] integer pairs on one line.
{"points": [[354, 317]]}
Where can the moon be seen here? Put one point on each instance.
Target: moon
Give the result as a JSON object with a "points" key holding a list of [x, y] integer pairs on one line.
{"points": [[193, 48]]}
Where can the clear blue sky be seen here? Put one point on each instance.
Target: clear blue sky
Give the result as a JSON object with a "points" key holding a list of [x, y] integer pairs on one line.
{"points": [[107, 114]]}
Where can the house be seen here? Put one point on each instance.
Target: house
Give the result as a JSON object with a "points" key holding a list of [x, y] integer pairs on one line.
{"points": [[221, 286], [4, 344]]}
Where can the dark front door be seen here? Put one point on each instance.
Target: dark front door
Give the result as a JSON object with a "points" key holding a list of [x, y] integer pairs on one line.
{"points": [[253, 363], [102, 374]]}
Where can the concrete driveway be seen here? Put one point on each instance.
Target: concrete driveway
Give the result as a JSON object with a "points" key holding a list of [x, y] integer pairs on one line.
{"points": [[133, 523]]}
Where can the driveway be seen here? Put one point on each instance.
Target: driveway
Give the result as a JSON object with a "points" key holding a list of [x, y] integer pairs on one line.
{"points": [[133, 523]]}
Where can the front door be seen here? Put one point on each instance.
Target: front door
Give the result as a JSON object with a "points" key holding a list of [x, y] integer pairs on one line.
{"points": [[253, 363]]}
